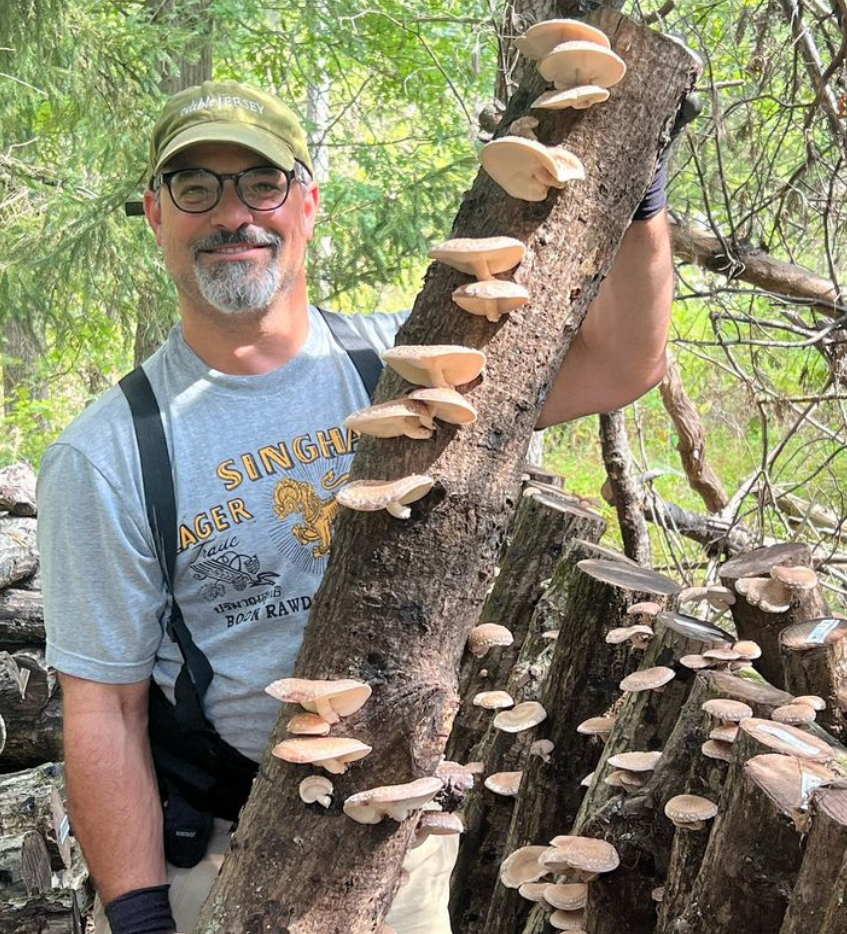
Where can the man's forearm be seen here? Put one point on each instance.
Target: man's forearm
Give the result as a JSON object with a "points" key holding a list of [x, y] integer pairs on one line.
{"points": [[619, 353], [114, 803]]}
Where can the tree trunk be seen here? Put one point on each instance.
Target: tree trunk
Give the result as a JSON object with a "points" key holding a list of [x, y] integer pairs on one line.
{"points": [[627, 491], [764, 628], [24, 864], [21, 618], [55, 912], [22, 349], [32, 800], [545, 524], [18, 553], [408, 592]]}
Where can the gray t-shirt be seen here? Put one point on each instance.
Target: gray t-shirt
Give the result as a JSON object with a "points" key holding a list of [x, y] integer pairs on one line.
{"points": [[256, 462]]}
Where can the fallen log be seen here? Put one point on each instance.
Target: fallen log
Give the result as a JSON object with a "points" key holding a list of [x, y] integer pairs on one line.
{"points": [[409, 591], [33, 800], [764, 625], [17, 490], [24, 864], [544, 524], [21, 618], [814, 658], [34, 720], [18, 552], [54, 912]]}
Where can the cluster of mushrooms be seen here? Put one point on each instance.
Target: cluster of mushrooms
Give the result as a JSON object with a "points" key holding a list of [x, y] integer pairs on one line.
{"points": [[578, 60]]}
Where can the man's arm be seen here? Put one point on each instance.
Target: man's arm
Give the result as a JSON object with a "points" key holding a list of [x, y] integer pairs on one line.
{"points": [[619, 353], [112, 792]]}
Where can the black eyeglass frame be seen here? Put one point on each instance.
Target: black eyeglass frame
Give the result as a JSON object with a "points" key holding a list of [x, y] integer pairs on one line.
{"points": [[163, 179]]}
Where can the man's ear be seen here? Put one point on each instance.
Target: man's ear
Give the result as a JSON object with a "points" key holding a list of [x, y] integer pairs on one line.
{"points": [[153, 212], [311, 197]]}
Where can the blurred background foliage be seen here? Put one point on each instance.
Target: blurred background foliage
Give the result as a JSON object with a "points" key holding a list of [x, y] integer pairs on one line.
{"points": [[391, 94]]}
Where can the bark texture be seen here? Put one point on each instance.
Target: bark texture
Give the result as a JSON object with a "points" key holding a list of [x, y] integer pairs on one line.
{"points": [[33, 717], [32, 800], [18, 554], [55, 912], [17, 490], [21, 618], [627, 490], [24, 864], [399, 597]]}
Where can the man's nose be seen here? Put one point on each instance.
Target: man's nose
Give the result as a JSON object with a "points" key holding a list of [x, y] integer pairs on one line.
{"points": [[230, 212]]}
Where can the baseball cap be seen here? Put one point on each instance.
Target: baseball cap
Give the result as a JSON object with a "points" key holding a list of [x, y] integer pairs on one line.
{"points": [[229, 112]]}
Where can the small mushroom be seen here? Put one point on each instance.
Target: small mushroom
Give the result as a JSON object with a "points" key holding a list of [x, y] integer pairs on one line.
{"points": [[522, 717], [542, 748], [727, 711], [484, 258], [581, 857], [715, 749], [795, 714], [491, 299], [690, 812], [493, 700], [725, 733], [396, 419], [456, 778], [562, 920], [394, 496], [597, 726], [693, 595], [486, 636], [526, 169], [620, 778], [330, 700], [315, 789], [579, 98], [506, 784], [522, 866], [811, 700], [435, 365], [748, 649], [394, 801], [533, 891], [539, 40], [438, 824], [697, 662], [635, 761], [648, 679], [639, 636], [569, 896], [444, 404], [795, 579], [308, 724], [571, 64], [332, 753]]}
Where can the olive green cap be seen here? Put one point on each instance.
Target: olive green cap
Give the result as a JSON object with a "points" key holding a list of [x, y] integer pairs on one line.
{"points": [[229, 112]]}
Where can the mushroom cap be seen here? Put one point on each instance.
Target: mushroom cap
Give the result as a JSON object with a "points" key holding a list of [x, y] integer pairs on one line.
{"points": [[499, 254], [766, 593], [586, 782], [571, 64], [395, 801], [533, 891], [715, 749], [584, 853], [522, 717], [539, 40], [504, 783], [435, 365], [394, 419], [487, 635], [456, 777], [578, 98], [493, 700], [308, 724], [635, 761], [696, 662], [393, 495], [329, 752], [725, 733], [446, 404], [329, 699], [729, 711], [811, 700], [596, 726], [491, 298], [693, 595], [796, 578], [748, 649], [719, 596], [645, 608], [620, 778], [813, 633], [722, 655], [542, 748], [648, 679], [316, 789], [795, 714], [688, 809], [522, 866], [526, 168], [562, 920], [439, 824], [787, 739], [569, 896]]}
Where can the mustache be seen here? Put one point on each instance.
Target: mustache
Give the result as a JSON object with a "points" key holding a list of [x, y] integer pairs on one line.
{"points": [[253, 235]]}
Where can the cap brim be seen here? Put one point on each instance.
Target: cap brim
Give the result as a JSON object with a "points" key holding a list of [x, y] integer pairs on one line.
{"points": [[254, 138]]}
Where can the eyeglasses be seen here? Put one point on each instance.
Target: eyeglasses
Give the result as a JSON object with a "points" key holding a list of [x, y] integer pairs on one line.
{"points": [[264, 188]]}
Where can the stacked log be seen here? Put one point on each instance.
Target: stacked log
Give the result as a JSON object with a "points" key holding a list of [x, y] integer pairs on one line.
{"points": [[43, 881]]}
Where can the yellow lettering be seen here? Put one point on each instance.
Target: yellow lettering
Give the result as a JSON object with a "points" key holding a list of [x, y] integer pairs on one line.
{"points": [[304, 449], [218, 517], [232, 478], [331, 443], [238, 511], [186, 539], [202, 526], [250, 466], [274, 456]]}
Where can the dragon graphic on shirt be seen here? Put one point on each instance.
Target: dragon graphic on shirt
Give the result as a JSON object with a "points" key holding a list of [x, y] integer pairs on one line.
{"points": [[242, 571], [298, 496]]}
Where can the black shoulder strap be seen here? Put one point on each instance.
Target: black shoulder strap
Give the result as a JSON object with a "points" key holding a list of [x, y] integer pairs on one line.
{"points": [[364, 357], [195, 676]]}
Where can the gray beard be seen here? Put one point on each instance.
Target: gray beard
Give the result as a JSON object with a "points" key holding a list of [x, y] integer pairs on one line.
{"points": [[236, 287]]}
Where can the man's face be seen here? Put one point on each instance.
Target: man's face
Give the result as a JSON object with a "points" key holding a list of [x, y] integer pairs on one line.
{"points": [[233, 258]]}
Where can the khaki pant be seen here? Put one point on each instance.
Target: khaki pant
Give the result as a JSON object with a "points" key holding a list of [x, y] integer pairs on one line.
{"points": [[420, 906]]}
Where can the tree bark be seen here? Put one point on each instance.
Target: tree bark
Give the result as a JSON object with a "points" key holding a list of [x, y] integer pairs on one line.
{"points": [[54, 912], [21, 618], [627, 490], [34, 721], [692, 440], [17, 490], [24, 864], [764, 628], [32, 800], [18, 553], [409, 591], [544, 525], [814, 657]]}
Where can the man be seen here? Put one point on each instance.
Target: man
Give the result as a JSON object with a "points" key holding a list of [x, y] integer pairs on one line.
{"points": [[253, 390]]}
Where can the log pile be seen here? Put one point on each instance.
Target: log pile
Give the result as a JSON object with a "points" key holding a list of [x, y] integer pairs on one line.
{"points": [[43, 881]]}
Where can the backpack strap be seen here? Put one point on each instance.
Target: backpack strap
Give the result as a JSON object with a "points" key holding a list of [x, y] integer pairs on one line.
{"points": [[196, 674], [366, 360]]}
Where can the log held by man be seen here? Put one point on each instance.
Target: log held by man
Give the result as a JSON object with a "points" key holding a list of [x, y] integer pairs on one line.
{"points": [[400, 596]]}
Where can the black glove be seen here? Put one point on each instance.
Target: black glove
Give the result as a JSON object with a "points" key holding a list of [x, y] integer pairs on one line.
{"points": [[142, 911], [656, 197]]}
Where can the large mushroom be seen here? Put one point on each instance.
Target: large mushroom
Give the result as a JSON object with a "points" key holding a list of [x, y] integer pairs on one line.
{"points": [[332, 753], [491, 299], [575, 64], [435, 365], [330, 700], [444, 404], [394, 801], [392, 495], [526, 169], [484, 258], [540, 40], [395, 419]]}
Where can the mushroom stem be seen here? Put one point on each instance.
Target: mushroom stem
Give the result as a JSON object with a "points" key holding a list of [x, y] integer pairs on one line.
{"points": [[481, 269], [399, 511], [323, 708]]}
